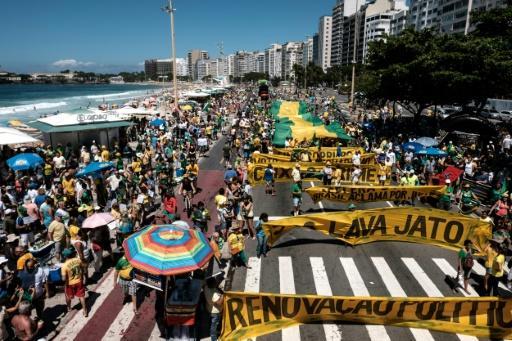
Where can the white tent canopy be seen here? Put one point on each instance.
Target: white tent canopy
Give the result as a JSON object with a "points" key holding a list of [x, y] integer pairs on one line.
{"points": [[11, 136], [133, 111]]}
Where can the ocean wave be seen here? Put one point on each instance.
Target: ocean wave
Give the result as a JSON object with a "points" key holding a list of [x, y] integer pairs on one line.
{"points": [[30, 107], [109, 95]]}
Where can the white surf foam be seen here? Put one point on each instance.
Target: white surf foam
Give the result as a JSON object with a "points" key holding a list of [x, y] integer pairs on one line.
{"points": [[30, 107]]}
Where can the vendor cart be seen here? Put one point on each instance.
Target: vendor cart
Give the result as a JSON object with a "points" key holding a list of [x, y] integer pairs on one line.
{"points": [[164, 258]]}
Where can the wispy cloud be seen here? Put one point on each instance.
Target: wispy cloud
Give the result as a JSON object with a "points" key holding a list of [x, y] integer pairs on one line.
{"points": [[71, 63]]}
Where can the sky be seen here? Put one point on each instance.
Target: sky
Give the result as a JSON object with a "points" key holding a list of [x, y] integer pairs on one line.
{"points": [[118, 35]]}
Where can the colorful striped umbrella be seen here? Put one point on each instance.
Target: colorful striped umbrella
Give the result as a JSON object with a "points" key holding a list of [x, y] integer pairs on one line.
{"points": [[167, 250]]}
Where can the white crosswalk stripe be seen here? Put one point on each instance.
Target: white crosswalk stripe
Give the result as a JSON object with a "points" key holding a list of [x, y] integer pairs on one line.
{"points": [[449, 270], [74, 326], [120, 324], [395, 290], [287, 286], [322, 286], [429, 287], [252, 277], [377, 333]]}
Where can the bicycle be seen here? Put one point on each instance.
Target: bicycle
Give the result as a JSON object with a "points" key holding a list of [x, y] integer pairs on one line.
{"points": [[187, 198]]}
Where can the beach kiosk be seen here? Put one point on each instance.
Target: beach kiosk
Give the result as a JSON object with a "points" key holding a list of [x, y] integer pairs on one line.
{"points": [[82, 128]]}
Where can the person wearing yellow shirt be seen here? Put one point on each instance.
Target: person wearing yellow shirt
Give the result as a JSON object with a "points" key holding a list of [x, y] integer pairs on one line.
{"points": [[23, 256], [490, 254], [105, 154], [193, 168], [497, 270], [137, 166], [68, 183], [72, 275], [382, 173], [236, 241]]}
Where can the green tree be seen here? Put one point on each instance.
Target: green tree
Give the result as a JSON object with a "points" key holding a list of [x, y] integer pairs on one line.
{"points": [[421, 69], [254, 76]]}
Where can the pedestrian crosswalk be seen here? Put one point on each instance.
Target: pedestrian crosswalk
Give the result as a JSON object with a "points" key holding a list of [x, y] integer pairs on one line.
{"points": [[350, 276], [322, 275]]}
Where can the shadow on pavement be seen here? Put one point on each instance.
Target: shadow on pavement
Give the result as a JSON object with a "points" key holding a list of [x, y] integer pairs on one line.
{"points": [[296, 242]]}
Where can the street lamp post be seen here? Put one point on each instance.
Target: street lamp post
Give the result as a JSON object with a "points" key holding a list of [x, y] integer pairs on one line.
{"points": [[170, 9], [354, 55], [468, 17]]}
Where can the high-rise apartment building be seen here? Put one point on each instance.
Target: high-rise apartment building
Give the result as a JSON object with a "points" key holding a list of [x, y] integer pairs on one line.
{"points": [[337, 33], [423, 14], [181, 67], [202, 69], [242, 60], [230, 65], [260, 62], [378, 16], [192, 57], [307, 52], [156, 68], [291, 54], [316, 57], [324, 40], [273, 60], [452, 14]]}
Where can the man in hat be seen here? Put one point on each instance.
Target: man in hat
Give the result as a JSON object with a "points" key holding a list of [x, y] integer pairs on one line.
{"points": [[296, 173], [445, 200], [73, 277], [468, 199]]}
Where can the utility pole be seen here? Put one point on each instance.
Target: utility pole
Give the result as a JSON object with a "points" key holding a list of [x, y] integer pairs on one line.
{"points": [[170, 10], [354, 56], [306, 66]]}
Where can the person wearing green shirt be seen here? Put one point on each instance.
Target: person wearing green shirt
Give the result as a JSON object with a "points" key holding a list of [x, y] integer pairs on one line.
{"points": [[296, 198], [445, 200], [465, 264]]}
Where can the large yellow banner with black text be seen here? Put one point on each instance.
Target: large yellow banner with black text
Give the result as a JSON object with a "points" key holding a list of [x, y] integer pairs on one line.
{"points": [[364, 193], [248, 315], [311, 172], [323, 153], [407, 224], [367, 159]]}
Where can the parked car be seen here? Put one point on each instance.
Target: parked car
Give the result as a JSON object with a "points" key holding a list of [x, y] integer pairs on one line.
{"points": [[444, 112], [490, 113], [506, 115]]}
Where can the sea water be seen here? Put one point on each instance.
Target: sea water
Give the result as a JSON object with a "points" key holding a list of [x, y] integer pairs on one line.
{"points": [[27, 102]]}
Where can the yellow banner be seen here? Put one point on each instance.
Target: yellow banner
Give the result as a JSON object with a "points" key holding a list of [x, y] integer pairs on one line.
{"points": [[407, 224], [309, 172], [367, 159], [248, 315], [325, 152], [356, 193]]}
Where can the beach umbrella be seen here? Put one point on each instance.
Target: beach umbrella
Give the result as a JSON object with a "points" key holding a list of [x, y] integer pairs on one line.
{"points": [[167, 250], [432, 151], [157, 122], [414, 146], [24, 161], [97, 220], [427, 141], [95, 167], [186, 107]]}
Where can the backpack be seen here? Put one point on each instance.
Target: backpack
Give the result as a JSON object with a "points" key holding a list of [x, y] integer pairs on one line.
{"points": [[468, 261]]}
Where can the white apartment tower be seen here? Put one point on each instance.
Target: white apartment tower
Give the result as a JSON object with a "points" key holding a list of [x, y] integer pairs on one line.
{"points": [[324, 41], [307, 52], [273, 59], [291, 55]]}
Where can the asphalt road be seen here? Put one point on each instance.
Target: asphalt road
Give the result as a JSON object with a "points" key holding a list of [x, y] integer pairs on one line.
{"points": [[307, 262]]}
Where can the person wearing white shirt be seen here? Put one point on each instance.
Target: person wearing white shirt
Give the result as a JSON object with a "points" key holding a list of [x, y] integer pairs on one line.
{"points": [[391, 155], [296, 173], [356, 158], [506, 143]]}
